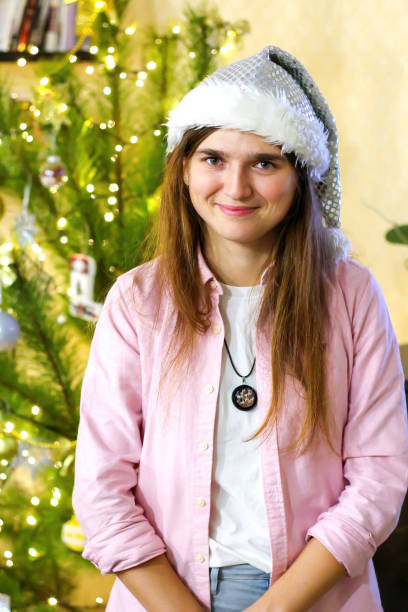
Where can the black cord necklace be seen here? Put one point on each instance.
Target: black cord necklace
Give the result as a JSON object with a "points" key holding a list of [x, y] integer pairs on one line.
{"points": [[244, 397]]}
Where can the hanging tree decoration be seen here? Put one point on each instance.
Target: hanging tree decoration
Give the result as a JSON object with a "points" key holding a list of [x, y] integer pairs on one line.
{"points": [[53, 173], [82, 276], [25, 223]]}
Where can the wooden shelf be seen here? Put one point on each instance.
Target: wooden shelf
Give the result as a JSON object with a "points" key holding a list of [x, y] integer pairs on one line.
{"points": [[13, 56]]}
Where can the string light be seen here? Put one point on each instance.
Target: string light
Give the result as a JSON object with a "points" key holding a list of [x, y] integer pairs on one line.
{"points": [[33, 50], [64, 239], [176, 29], [89, 70], [73, 59], [111, 49], [35, 410], [157, 132], [112, 200], [142, 75], [130, 30], [44, 81], [32, 552], [31, 460], [63, 107], [123, 75], [52, 601], [54, 502], [192, 54], [37, 113], [99, 600], [140, 83], [107, 91], [151, 65], [90, 188], [21, 62], [35, 500], [113, 187], [9, 563], [109, 217], [61, 223], [93, 49], [102, 126], [24, 435], [29, 138], [5, 463], [111, 123], [23, 126], [25, 453], [3, 476], [110, 62], [118, 148], [99, 4], [31, 520], [134, 139], [8, 554]]}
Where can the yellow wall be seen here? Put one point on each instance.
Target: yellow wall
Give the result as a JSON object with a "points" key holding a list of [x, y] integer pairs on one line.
{"points": [[357, 51]]}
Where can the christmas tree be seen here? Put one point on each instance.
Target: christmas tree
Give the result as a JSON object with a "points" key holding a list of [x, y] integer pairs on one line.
{"points": [[86, 156]]}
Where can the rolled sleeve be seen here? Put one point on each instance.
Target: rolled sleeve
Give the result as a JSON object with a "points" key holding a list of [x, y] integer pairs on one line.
{"points": [[119, 536], [375, 448]]}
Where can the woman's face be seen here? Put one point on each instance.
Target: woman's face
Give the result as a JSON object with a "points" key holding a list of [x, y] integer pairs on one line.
{"points": [[241, 186]]}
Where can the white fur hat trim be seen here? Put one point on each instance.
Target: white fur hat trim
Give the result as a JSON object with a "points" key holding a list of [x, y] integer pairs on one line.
{"points": [[269, 115]]}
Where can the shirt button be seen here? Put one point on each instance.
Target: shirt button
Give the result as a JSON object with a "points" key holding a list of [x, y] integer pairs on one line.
{"points": [[200, 558], [216, 329], [201, 502], [209, 388], [213, 284], [203, 445]]}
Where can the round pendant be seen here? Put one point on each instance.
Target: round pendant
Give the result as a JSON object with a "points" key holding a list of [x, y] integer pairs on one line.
{"points": [[244, 397]]}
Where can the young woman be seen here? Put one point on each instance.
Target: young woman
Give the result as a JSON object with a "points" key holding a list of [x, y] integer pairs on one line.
{"points": [[243, 440]]}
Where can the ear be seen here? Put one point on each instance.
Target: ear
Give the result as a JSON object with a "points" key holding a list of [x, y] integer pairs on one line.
{"points": [[185, 177]]}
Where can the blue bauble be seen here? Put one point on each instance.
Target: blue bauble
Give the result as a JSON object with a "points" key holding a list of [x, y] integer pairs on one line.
{"points": [[9, 331]]}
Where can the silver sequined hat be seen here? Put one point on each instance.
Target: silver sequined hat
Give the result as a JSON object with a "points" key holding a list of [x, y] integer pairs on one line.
{"points": [[271, 94]]}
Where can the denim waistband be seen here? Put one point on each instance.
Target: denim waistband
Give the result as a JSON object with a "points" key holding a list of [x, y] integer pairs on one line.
{"points": [[243, 571]]}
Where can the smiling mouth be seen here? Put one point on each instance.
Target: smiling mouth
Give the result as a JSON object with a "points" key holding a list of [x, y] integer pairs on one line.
{"points": [[237, 208], [237, 211]]}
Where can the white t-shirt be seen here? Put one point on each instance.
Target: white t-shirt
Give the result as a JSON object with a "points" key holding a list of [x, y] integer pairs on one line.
{"points": [[238, 524]]}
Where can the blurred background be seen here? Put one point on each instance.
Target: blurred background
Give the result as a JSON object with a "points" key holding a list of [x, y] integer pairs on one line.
{"points": [[85, 87]]}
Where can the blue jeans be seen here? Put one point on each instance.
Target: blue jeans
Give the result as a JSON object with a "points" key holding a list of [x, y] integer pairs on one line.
{"points": [[235, 587]]}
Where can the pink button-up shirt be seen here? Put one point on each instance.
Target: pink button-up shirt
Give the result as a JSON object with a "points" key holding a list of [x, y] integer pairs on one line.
{"points": [[144, 464]]}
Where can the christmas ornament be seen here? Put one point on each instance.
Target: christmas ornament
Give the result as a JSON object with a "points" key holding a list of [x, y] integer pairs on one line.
{"points": [[82, 277], [24, 225], [72, 535], [9, 331], [8, 448], [53, 173]]}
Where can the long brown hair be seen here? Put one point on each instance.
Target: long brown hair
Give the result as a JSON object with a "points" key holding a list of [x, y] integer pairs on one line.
{"points": [[295, 297]]}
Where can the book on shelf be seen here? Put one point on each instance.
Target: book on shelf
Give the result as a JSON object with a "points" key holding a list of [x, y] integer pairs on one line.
{"points": [[26, 25], [40, 24]]}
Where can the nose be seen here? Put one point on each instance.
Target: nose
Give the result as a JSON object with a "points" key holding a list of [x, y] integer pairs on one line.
{"points": [[237, 184]]}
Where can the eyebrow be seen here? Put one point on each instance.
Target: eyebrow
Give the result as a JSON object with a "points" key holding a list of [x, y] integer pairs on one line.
{"points": [[250, 158]]}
